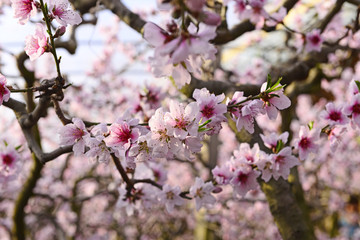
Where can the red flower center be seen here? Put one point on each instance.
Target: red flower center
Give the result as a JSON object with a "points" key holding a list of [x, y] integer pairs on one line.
{"points": [[335, 116], [2, 89], [304, 143], [315, 39], [181, 123], [78, 133], [58, 12], [125, 134], [356, 108], [280, 159], [7, 159], [208, 111], [242, 177]]}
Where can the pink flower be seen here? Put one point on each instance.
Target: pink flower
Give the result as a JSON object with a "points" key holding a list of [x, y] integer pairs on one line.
{"points": [[247, 155], [257, 13], [334, 115], [122, 135], [244, 180], [270, 141], [179, 52], [313, 41], [62, 13], [202, 193], [141, 151], [353, 109], [353, 88], [195, 5], [194, 42], [155, 35], [306, 143], [240, 8], [210, 18], [23, 9], [97, 150], [276, 17], [9, 159], [74, 133], [210, 106], [222, 175], [182, 120], [273, 101], [282, 163], [244, 113], [163, 143], [170, 196], [265, 165], [4, 91], [37, 44]]}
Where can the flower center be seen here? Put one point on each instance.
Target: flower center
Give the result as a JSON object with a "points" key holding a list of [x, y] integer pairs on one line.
{"points": [[208, 111], [280, 159], [58, 11], [249, 158], [304, 143], [181, 123], [2, 89], [125, 134], [355, 108], [170, 195], [27, 6], [315, 39], [242, 177], [199, 192], [78, 133], [8, 160], [335, 116]]}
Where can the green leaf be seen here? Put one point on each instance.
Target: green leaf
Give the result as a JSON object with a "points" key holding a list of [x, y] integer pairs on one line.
{"points": [[274, 95], [268, 82], [18, 147], [202, 125], [276, 83], [279, 146], [357, 84], [6, 143], [204, 129], [172, 81], [311, 125]]}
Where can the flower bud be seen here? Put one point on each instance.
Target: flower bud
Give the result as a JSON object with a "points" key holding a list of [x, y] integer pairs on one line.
{"points": [[60, 31], [210, 18], [217, 190]]}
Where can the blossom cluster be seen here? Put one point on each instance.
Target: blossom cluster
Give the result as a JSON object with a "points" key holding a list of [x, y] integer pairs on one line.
{"points": [[244, 110], [252, 10], [10, 163], [59, 10], [4, 91], [177, 133], [247, 164], [197, 10], [179, 51]]}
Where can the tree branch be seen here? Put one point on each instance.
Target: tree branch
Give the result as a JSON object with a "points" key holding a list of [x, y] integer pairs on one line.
{"points": [[225, 35], [330, 15], [129, 183], [127, 16]]}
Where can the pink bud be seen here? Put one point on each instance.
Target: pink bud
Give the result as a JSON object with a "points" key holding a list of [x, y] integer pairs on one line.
{"points": [[211, 18], [60, 31], [217, 190]]}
